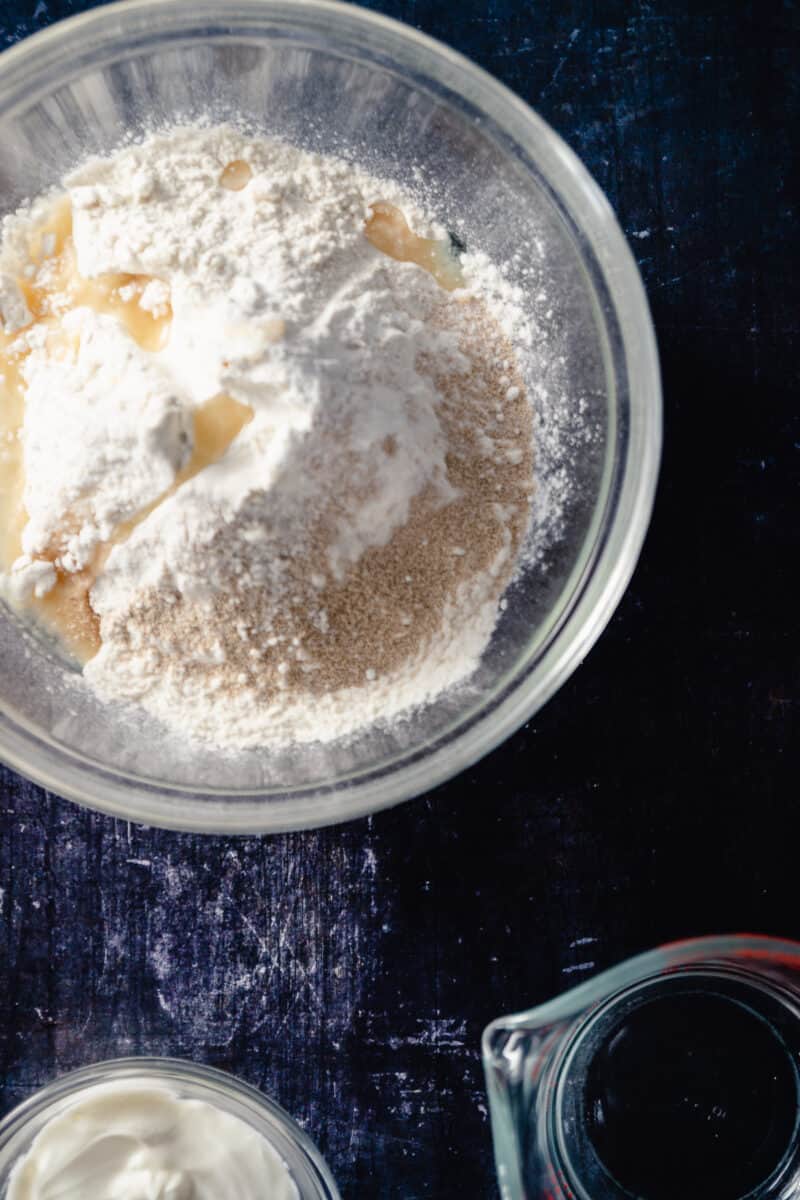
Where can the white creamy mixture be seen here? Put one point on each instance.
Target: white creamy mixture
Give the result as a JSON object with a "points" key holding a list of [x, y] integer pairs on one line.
{"points": [[129, 1142], [243, 421]]}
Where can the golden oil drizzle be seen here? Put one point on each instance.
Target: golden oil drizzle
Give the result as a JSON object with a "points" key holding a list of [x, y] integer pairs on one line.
{"points": [[67, 608], [236, 175], [389, 232], [51, 289]]}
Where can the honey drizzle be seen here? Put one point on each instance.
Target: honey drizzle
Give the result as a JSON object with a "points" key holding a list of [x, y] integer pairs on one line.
{"points": [[389, 232], [236, 175], [53, 289], [67, 606], [63, 288]]}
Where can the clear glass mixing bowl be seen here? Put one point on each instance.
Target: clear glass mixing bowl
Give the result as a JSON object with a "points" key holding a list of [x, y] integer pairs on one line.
{"points": [[337, 78], [190, 1081]]}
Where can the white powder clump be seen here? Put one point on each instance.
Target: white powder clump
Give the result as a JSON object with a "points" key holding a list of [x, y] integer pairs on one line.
{"points": [[344, 558], [104, 435]]}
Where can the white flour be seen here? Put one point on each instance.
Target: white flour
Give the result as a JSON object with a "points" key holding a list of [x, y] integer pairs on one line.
{"points": [[104, 436], [279, 301]]}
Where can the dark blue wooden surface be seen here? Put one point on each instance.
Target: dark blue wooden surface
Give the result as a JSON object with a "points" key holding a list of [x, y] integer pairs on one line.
{"points": [[349, 972]]}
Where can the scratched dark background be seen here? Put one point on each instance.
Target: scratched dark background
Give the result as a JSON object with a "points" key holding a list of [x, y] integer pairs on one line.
{"points": [[349, 972]]}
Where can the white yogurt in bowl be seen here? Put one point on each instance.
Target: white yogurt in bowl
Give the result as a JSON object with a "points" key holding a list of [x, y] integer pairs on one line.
{"points": [[156, 1129], [131, 1141]]}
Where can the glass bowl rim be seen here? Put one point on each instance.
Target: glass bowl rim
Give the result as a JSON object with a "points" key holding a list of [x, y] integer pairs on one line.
{"points": [[618, 539], [633, 970], [161, 1071]]}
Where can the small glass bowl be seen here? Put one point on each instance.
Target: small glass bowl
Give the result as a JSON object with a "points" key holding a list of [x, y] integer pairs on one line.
{"points": [[306, 1166], [335, 78]]}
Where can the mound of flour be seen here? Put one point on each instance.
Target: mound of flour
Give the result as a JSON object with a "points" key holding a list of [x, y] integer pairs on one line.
{"points": [[344, 558]]}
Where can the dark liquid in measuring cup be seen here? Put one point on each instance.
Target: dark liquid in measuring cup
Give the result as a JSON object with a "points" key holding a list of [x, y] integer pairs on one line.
{"points": [[689, 1096]]}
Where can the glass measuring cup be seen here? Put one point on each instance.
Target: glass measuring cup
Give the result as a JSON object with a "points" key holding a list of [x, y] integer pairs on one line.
{"points": [[673, 1076]]}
